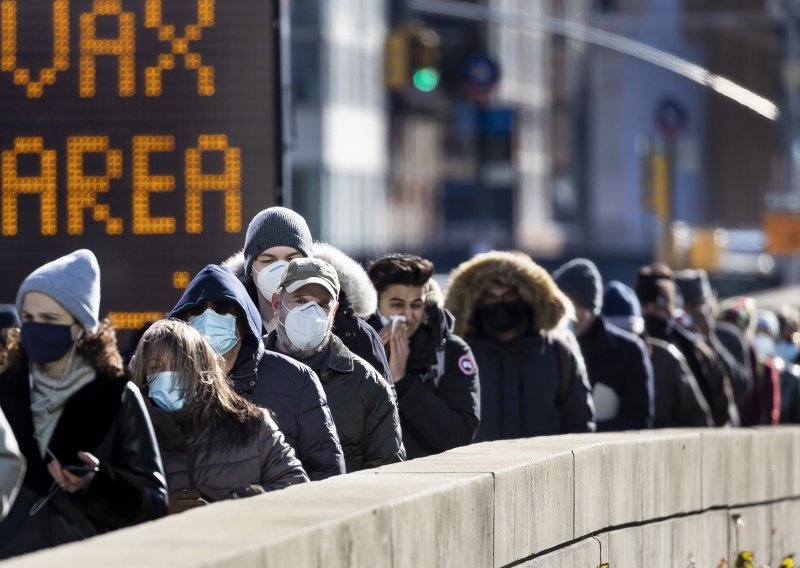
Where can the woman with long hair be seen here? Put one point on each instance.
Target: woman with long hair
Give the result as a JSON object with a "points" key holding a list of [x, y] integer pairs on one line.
{"points": [[93, 465], [214, 444]]}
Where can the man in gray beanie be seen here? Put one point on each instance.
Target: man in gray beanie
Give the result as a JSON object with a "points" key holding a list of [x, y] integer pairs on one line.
{"points": [[617, 362], [278, 235]]}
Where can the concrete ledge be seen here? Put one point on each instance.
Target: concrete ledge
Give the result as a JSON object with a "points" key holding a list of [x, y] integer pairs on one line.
{"points": [[659, 498]]}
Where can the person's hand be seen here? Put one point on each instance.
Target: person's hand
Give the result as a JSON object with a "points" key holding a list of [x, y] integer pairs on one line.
{"points": [[181, 501], [246, 490], [72, 482], [385, 334], [398, 351]]}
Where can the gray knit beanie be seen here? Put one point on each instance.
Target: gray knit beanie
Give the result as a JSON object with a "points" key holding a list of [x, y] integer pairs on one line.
{"points": [[580, 280], [73, 281], [276, 226]]}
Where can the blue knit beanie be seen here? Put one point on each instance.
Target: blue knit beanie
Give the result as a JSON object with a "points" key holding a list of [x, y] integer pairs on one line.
{"points": [[621, 307], [276, 226], [581, 281], [73, 281]]}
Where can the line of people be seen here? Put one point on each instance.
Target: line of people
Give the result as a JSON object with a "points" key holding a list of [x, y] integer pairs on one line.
{"points": [[289, 362]]}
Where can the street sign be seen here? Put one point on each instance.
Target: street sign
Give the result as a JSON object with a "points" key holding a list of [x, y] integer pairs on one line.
{"points": [[481, 74], [782, 229], [671, 117]]}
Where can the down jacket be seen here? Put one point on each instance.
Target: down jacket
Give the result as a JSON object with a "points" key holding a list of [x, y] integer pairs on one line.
{"points": [[289, 389], [357, 301], [224, 471], [108, 419], [362, 405], [678, 399], [439, 396], [536, 384]]}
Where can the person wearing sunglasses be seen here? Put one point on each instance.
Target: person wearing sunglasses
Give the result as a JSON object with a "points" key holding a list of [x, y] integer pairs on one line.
{"points": [[93, 463]]}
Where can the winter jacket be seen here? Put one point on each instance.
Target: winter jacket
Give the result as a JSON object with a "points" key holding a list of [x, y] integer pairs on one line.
{"points": [[357, 301], [619, 360], [678, 399], [439, 396], [106, 418], [762, 405], [221, 470], [535, 384], [728, 343], [12, 467], [289, 389], [707, 369], [790, 391], [362, 405]]}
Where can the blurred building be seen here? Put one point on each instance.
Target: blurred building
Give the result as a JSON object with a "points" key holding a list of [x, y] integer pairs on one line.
{"points": [[340, 150]]}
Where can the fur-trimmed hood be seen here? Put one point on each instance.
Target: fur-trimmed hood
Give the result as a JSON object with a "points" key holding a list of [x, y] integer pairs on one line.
{"points": [[357, 289], [356, 285], [536, 287]]}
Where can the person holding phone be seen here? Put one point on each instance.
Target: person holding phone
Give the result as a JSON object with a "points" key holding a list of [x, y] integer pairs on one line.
{"points": [[93, 464], [435, 374], [214, 444]]}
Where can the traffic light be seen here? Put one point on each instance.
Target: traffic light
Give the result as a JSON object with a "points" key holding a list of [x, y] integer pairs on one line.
{"points": [[412, 58]]}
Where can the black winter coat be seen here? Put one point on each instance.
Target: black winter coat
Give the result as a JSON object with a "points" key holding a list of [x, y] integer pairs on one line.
{"points": [[620, 360], [707, 369], [678, 399], [729, 345], [106, 418], [790, 391], [362, 405], [519, 389], [440, 409], [289, 389]]}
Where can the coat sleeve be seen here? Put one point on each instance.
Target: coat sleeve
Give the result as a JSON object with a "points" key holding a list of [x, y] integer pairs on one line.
{"points": [[449, 416], [383, 442], [130, 488], [690, 408], [279, 466], [12, 467], [317, 442], [636, 395], [577, 409]]}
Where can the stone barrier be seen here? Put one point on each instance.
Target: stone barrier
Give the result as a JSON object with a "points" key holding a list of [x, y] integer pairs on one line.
{"points": [[654, 498]]}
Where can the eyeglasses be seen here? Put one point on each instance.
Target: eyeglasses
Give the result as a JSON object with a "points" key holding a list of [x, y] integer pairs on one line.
{"points": [[222, 307]]}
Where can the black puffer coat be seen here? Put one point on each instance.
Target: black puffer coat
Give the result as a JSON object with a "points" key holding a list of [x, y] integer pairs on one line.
{"points": [[439, 396], [679, 401], [620, 361], [522, 391], [289, 389], [106, 418], [362, 405], [221, 470]]}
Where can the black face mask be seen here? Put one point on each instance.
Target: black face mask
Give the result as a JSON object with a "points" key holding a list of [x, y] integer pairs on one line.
{"points": [[657, 327], [502, 316]]}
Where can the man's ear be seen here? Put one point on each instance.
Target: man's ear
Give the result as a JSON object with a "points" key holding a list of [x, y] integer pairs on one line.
{"points": [[276, 301]]}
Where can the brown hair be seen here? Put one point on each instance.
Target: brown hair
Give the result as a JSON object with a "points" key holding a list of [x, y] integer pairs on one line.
{"points": [[98, 349], [213, 405], [399, 268]]}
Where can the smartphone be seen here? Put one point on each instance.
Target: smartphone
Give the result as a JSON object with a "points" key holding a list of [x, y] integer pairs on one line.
{"points": [[81, 469]]}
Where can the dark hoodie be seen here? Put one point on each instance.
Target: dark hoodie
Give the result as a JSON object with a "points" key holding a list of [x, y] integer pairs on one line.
{"points": [[439, 396], [288, 388], [521, 380]]}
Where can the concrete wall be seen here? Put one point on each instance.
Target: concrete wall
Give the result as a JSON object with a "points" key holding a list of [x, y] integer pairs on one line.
{"points": [[659, 498]]}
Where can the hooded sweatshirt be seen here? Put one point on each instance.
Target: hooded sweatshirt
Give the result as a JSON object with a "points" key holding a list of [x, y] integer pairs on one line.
{"points": [[288, 388], [535, 384]]}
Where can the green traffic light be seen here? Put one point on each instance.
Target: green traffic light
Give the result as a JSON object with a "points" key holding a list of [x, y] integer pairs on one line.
{"points": [[425, 79]]}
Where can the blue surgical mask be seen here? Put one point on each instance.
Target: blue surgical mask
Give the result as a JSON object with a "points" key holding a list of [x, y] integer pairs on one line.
{"points": [[164, 390], [220, 330], [46, 342]]}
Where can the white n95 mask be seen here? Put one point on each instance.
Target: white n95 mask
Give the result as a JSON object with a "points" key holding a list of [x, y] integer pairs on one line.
{"points": [[269, 278], [307, 325]]}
